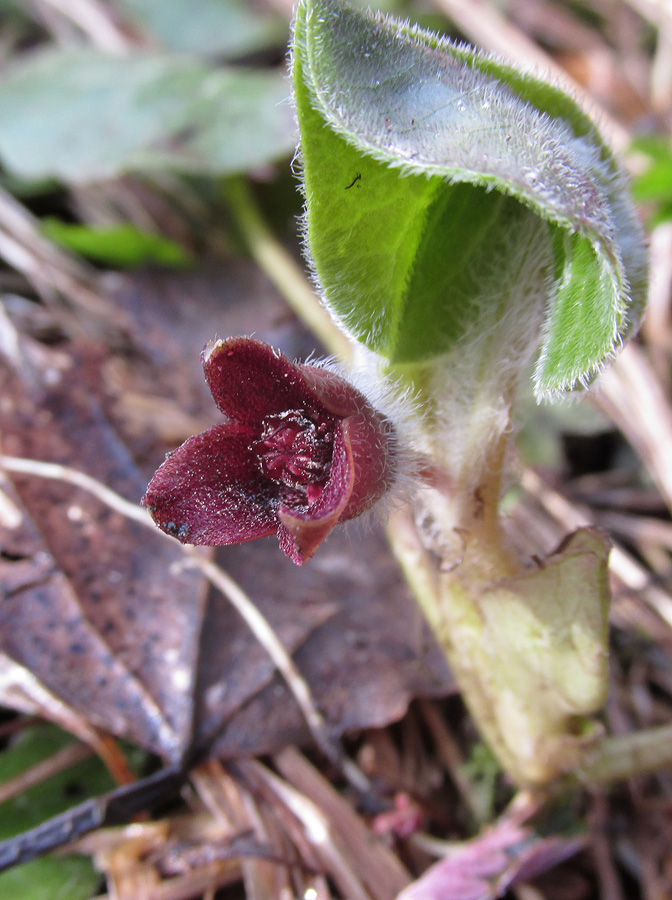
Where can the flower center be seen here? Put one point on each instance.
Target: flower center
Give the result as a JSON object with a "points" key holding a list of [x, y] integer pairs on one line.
{"points": [[295, 450]]}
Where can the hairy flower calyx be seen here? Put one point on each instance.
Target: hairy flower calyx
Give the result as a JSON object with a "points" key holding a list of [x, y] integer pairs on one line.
{"points": [[301, 451]]}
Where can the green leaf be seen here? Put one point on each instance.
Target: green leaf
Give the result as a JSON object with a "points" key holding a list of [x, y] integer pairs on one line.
{"points": [[121, 246], [82, 115], [654, 185], [222, 28], [51, 877], [426, 165]]}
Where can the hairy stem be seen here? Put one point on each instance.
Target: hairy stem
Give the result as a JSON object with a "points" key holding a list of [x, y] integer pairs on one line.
{"points": [[526, 639]]}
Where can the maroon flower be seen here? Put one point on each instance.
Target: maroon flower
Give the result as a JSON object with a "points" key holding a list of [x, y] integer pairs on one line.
{"points": [[302, 450]]}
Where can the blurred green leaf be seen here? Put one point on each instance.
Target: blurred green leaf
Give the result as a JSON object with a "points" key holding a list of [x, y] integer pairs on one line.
{"points": [[82, 115], [224, 28], [654, 185], [51, 877], [482, 769], [14, 9], [121, 246], [25, 189], [440, 182]]}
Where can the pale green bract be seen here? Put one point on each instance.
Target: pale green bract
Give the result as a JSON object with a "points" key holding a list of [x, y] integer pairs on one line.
{"points": [[423, 161]]}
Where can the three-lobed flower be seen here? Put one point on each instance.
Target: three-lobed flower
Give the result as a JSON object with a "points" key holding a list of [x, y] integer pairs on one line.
{"points": [[301, 451]]}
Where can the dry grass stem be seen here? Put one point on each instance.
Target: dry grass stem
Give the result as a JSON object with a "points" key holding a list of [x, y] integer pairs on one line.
{"points": [[451, 756], [657, 326], [379, 868], [632, 397], [52, 271], [61, 761], [94, 20], [326, 844]]}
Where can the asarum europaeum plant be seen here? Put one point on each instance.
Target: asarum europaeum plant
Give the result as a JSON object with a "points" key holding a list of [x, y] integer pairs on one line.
{"points": [[301, 451], [460, 216]]}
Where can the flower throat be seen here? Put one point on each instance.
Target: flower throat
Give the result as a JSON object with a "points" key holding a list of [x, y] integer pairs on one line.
{"points": [[295, 450]]}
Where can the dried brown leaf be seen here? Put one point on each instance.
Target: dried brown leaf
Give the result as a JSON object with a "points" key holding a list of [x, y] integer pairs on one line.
{"points": [[94, 605], [364, 664]]}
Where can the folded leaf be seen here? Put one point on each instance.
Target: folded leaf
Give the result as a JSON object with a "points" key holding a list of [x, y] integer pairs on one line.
{"points": [[424, 163]]}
